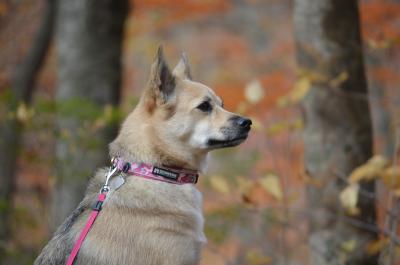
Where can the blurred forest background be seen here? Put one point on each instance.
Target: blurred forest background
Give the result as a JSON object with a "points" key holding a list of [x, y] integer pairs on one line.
{"points": [[318, 180]]}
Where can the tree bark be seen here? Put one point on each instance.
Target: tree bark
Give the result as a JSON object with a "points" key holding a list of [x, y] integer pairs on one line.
{"points": [[23, 84], [89, 41], [338, 132]]}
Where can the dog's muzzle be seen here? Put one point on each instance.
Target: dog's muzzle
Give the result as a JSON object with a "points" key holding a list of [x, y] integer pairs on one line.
{"points": [[243, 123], [234, 134]]}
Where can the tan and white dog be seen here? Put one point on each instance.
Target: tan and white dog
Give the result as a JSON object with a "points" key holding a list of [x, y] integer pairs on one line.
{"points": [[148, 222]]}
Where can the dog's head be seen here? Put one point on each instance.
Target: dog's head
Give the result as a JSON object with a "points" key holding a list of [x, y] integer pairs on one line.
{"points": [[188, 113]]}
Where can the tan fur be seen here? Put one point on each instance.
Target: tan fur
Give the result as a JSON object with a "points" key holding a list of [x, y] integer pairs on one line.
{"points": [[147, 222]]}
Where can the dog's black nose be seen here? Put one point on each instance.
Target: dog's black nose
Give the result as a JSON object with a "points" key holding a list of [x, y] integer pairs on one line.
{"points": [[244, 123]]}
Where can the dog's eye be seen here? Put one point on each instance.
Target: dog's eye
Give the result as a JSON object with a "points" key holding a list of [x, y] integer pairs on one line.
{"points": [[205, 106]]}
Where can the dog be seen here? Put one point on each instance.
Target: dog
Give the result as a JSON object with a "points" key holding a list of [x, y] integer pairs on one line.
{"points": [[176, 123]]}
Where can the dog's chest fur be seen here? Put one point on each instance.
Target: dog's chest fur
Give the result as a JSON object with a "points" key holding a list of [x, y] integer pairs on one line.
{"points": [[143, 222]]}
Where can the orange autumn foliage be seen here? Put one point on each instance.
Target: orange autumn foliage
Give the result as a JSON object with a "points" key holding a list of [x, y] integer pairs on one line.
{"points": [[176, 11], [380, 20]]}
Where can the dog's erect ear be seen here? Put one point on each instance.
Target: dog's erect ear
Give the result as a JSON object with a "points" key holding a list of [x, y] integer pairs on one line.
{"points": [[162, 82], [182, 69]]}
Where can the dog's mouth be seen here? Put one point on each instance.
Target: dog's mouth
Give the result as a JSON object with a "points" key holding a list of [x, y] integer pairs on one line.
{"points": [[217, 143]]}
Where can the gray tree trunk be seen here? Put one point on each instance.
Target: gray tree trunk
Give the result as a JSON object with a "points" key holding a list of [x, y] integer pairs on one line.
{"points": [[89, 40], [21, 91], [338, 133]]}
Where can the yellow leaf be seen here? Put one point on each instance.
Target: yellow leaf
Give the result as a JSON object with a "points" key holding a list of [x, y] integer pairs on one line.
{"points": [[272, 185], [254, 92], [391, 177], [23, 113], [349, 245], [376, 246], [219, 184], [348, 198], [370, 170], [335, 82], [300, 89], [313, 76]]}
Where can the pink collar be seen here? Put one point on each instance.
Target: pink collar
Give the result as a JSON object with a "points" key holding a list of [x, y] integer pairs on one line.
{"points": [[164, 174]]}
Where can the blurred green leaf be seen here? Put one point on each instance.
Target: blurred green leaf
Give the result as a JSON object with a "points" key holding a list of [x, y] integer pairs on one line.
{"points": [[79, 108]]}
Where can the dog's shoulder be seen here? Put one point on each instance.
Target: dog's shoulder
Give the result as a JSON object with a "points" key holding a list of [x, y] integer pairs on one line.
{"points": [[58, 248]]}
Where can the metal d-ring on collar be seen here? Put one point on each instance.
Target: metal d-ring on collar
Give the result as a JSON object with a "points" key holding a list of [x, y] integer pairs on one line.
{"points": [[111, 171]]}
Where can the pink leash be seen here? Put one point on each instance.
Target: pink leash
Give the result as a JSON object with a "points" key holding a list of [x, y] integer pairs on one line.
{"points": [[95, 212], [85, 231]]}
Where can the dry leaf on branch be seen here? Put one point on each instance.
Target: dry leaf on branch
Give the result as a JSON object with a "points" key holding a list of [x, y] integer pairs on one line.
{"points": [[300, 89], [375, 168], [391, 177], [374, 247], [219, 184], [337, 81], [349, 197], [272, 185], [370, 170]]}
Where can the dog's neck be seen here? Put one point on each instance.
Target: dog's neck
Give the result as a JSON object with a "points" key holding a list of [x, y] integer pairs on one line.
{"points": [[132, 146]]}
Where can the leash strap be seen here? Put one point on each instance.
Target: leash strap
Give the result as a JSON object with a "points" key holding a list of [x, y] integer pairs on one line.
{"points": [[95, 212], [85, 231]]}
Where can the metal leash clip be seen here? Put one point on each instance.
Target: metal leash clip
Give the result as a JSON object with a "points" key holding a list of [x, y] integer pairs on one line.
{"points": [[111, 172]]}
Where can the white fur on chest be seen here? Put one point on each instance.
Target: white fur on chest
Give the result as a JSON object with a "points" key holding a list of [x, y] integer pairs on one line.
{"points": [[184, 201], [145, 214]]}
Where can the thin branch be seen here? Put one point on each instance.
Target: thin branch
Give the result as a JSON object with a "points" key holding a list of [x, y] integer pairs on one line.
{"points": [[392, 222]]}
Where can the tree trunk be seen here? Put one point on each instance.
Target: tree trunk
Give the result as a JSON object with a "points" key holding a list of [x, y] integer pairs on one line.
{"points": [[89, 40], [10, 127], [338, 133]]}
